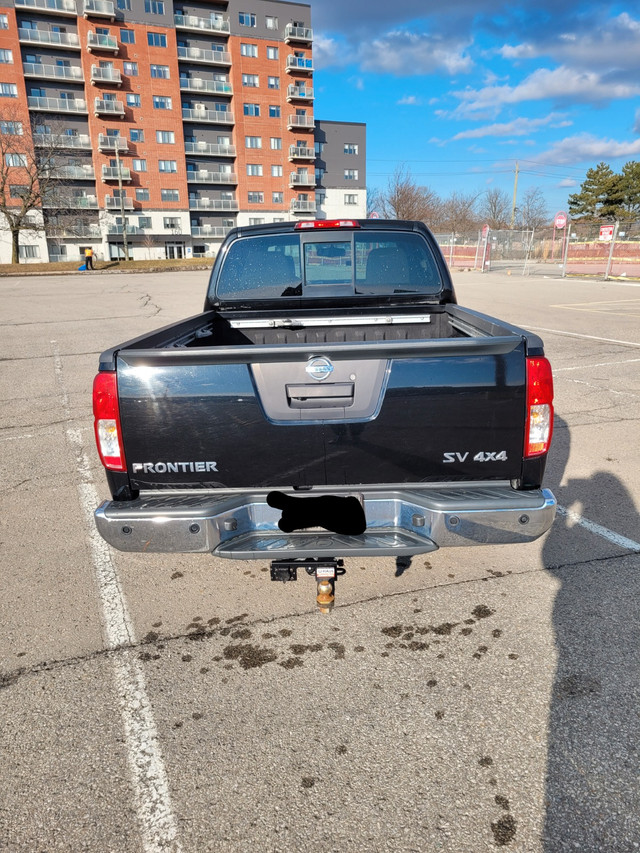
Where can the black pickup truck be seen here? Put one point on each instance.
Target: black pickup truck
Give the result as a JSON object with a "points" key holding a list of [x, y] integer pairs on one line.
{"points": [[332, 400]]}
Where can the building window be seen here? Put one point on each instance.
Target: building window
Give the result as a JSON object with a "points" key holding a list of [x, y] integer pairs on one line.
{"points": [[157, 39], [254, 169], [29, 251], [273, 82], [6, 56], [251, 109], [277, 198], [133, 100], [18, 190], [247, 19], [139, 165], [350, 198], [253, 142], [274, 111], [14, 128], [351, 174], [123, 5], [319, 147], [4, 22], [144, 222], [350, 148], [250, 80], [154, 7], [136, 135], [271, 22], [16, 160], [165, 136], [130, 68], [256, 198], [170, 195], [276, 143], [256, 220], [161, 71], [272, 53], [168, 165], [276, 171], [142, 194], [171, 222], [8, 90], [248, 50], [161, 102], [127, 37]]}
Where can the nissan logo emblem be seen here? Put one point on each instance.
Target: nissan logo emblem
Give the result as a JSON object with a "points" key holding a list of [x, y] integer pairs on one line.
{"points": [[319, 368]]}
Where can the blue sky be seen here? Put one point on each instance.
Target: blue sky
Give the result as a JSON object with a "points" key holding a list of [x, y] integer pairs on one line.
{"points": [[459, 90]]}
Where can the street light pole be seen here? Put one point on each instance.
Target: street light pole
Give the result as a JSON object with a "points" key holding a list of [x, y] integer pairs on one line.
{"points": [[515, 193], [124, 218]]}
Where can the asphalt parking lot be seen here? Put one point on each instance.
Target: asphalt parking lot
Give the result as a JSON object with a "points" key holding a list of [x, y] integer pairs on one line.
{"points": [[481, 699]]}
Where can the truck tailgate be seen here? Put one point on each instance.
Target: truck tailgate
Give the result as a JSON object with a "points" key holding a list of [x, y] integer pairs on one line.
{"points": [[259, 416]]}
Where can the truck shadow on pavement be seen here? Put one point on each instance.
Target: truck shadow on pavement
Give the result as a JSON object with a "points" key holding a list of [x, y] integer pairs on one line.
{"points": [[592, 786]]}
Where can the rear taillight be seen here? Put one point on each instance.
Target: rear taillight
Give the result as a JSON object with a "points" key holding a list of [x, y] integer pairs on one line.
{"points": [[107, 421], [326, 223], [539, 427]]}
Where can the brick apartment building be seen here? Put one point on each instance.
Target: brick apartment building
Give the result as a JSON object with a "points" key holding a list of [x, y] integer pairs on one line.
{"points": [[171, 121]]}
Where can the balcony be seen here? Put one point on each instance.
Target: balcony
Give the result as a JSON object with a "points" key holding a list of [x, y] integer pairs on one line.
{"points": [[106, 75], [301, 122], [207, 25], [209, 149], [108, 108], [57, 105], [67, 41], [74, 231], [197, 84], [298, 152], [61, 140], [116, 203], [209, 231], [298, 93], [302, 179], [112, 143], [80, 202], [201, 54], [51, 7], [52, 72], [132, 230], [297, 34], [112, 173], [299, 64], [209, 116], [212, 204], [302, 206], [204, 177], [99, 9], [74, 173], [96, 41]]}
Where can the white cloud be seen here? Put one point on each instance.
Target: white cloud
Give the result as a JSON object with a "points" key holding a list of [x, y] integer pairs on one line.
{"points": [[567, 182], [405, 53], [518, 51], [410, 101], [517, 127], [559, 84], [584, 148]]}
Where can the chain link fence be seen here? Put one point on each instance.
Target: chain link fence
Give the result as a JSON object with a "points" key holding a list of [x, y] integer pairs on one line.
{"points": [[602, 249]]}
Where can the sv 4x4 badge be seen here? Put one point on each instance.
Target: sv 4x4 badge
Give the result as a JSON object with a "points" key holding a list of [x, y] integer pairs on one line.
{"points": [[482, 456]]}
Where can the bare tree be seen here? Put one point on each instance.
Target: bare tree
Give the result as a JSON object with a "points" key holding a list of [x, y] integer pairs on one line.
{"points": [[29, 178], [459, 213], [532, 212], [495, 208], [405, 199]]}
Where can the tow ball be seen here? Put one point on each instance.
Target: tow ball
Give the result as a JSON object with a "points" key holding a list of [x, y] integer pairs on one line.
{"points": [[326, 571]]}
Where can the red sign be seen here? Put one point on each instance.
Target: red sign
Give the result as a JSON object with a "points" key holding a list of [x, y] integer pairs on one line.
{"points": [[606, 233], [561, 219], [485, 231]]}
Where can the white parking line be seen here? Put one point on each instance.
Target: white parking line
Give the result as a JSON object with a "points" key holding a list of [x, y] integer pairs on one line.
{"points": [[153, 801], [599, 530], [593, 366], [16, 437], [586, 337]]}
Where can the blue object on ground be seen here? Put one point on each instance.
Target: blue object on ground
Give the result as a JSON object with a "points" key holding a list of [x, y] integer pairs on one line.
{"points": [[83, 268]]}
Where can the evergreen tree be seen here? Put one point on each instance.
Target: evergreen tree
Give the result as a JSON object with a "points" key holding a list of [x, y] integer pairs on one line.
{"points": [[607, 195], [630, 185]]}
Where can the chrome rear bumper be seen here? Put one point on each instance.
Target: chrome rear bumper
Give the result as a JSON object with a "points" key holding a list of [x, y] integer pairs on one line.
{"points": [[400, 521]]}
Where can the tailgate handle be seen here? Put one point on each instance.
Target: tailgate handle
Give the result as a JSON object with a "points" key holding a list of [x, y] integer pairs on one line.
{"points": [[338, 395]]}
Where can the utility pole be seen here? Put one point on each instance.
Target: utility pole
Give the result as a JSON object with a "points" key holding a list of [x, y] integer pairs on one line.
{"points": [[515, 193], [124, 218]]}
